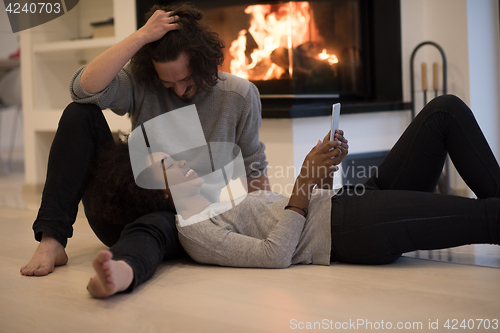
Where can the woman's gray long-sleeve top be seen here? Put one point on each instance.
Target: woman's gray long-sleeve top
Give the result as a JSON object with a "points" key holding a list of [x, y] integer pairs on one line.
{"points": [[259, 232]]}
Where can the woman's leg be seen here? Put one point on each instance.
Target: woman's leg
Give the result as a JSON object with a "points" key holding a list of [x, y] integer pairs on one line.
{"points": [[378, 226], [445, 125], [142, 246]]}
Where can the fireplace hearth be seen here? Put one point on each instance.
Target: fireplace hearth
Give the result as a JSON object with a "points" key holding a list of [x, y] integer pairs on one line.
{"points": [[305, 55]]}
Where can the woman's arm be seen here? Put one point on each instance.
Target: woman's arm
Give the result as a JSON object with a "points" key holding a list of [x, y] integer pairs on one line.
{"points": [[103, 69], [343, 147], [317, 169], [210, 242], [343, 150]]}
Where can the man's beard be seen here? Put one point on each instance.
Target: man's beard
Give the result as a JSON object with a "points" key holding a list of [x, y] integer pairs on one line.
{"points": [[191, 95]]}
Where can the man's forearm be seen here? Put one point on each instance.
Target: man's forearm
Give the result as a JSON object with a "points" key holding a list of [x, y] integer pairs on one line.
{"points": [[259, 183], [103, 69]]}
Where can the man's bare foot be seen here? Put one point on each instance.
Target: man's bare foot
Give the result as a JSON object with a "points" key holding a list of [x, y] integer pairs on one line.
{"points": [[48, 254], [112, 276]]}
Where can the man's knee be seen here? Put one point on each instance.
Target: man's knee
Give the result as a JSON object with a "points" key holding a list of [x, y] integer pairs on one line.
{"points": [[79, 113]]}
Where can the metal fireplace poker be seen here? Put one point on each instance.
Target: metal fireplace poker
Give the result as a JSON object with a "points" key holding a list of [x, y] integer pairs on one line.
{"points": [[444, 180]]}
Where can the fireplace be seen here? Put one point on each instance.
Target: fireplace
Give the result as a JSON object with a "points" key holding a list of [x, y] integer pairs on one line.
{"points": [[305, 55], [295, 49]]}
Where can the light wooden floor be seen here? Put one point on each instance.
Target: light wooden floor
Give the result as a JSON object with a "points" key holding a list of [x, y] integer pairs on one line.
{"points": [[187, 297]]}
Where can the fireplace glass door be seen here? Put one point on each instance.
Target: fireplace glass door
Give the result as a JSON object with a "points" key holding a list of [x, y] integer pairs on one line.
{"points": [[296, 48]]}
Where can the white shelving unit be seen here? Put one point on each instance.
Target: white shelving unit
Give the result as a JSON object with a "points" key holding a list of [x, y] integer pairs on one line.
{"points": [[50, 54]]}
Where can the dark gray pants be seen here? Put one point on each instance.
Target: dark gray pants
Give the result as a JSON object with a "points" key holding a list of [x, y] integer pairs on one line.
{"points": [[144, 243], [398, 211]]}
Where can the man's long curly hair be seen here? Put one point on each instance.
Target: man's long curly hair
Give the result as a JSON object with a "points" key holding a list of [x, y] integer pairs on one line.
{"points": [[202, 46], [112, 195]]}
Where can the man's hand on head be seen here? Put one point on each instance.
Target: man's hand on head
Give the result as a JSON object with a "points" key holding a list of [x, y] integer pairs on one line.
{"points": [[158, 25]]}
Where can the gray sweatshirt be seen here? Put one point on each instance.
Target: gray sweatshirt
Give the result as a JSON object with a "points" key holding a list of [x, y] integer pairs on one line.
{"points": [[259, 232], [229, 112]]}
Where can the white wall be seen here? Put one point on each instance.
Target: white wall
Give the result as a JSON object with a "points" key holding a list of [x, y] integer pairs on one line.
{"points": [[484, 56], [445, 22], [8, 40], [9, 44]]}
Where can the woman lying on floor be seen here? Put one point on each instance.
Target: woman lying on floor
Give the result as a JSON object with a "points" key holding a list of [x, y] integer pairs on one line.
{"points": [[397, 211]]}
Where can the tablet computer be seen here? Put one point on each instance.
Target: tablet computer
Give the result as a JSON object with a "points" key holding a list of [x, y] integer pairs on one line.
{"points": [[335, 120]]}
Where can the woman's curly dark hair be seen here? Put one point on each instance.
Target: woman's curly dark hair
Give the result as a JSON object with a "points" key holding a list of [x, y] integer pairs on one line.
{"points": [[112, 194], [203, 47]]}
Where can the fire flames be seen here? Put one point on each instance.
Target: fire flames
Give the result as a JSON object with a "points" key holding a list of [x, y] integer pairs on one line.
{"points": [[274, 32], [332, 58]]}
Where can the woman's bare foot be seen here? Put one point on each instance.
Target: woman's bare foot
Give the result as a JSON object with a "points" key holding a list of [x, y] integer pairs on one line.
{"points": [[48, 254], [112, 276]]}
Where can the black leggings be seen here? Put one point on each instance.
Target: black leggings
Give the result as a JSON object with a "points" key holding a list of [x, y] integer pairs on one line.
{"points": [[398, 212], [144, 243]]}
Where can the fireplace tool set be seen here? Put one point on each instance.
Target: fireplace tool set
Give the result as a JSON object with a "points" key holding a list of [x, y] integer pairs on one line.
{"points": [[444, 180]]}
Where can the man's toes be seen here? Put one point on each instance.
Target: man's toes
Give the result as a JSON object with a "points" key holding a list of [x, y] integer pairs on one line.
{"points": [[28, 270], [104, 256], [101, 260], [42, 270], [106, 265]]}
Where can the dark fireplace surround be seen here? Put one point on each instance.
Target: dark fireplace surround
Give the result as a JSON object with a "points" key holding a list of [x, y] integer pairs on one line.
{"points": [[378, 73]]}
